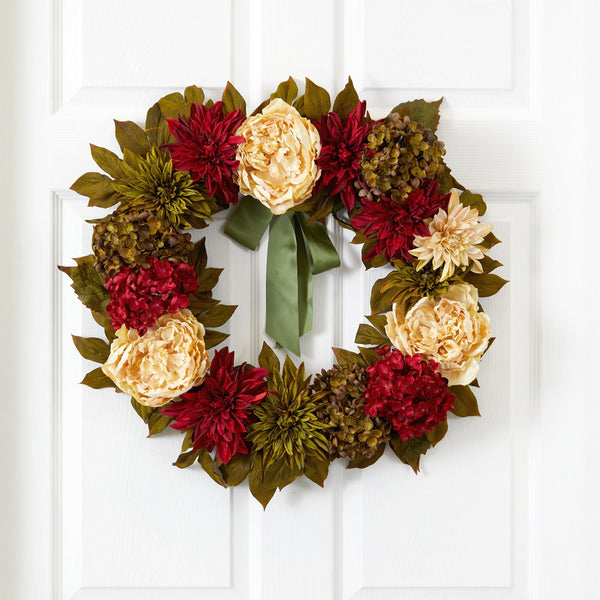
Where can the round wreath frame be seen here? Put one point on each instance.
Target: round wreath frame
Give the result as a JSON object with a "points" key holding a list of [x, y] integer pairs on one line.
{"points": [[286, 383]]}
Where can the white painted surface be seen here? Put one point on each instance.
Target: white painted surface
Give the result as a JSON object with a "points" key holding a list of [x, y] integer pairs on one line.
{"points": [[505, 508]]}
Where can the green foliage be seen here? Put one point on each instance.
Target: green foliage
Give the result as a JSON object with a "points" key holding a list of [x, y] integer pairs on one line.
{"points": [[317, 101], [97, 380], [346, 100], [410, 452], [93, 349], [465, 403], [421, 111], [286, 90], [233, 100], [88, 285]]}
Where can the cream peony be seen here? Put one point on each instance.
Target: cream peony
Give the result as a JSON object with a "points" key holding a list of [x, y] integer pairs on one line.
{"points": [[277, 161], [168, 360], [450, 331]]}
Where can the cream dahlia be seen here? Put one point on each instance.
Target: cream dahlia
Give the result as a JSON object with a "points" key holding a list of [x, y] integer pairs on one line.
{"points": [[454, 241]]}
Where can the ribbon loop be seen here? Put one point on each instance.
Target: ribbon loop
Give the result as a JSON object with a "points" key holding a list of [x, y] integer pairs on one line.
{"points": [[249, 222]]}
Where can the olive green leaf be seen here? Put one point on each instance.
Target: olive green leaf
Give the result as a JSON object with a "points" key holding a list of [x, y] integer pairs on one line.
{"points": [[188, 440], [173, 105], [369, 355], [93, 349], [487, 284], [364, 461], [98, 188], [198, 256], [267, 359], [108, 161], [472, 200], [490, 241], [105, 321], [370, 336], [157, 422], [213, 338], [131, 137], [446, 180], [489, 264], [316, 470], [421, 111], [256, 482], [208, 279], [346, 100], [436, 435], [233, 100], [208, 464], [186, 459], [316, 101], [346, 358], [237, 469], [88, 284], [465, 403], [96, 379], [143, 411], [193, 95], [286, 90], [410, 452], [218, 315], [379, 322]]}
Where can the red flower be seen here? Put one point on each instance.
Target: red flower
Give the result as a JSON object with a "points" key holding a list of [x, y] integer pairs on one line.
{"points": [[342, 145], [408, 392], [395, 225], [139, 297], [206, 146], [219, 411]]}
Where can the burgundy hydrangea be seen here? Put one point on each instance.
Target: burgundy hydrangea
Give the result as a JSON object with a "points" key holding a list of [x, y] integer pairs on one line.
{"points": [[396, 224], [219, 412], [408, 392], [206, 146], [139, 296], [342, 146]]}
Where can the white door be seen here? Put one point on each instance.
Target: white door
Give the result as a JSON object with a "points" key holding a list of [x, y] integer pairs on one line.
{"points": [[505, 508]]}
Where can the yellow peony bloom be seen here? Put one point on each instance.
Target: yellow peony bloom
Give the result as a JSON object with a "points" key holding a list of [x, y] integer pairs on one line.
{"points": [[450, 330], [168, 360], [454, 240], [277, 161]]}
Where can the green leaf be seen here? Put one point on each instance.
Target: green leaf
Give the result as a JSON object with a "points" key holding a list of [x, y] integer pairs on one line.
{"points": [[218, 315], [465, 403], [267, 359], [316, 101], [421, 111], [237, 469], [104, 321], [93, 349], [193, 95], [198, 256], [199, 304], [108, 161], [131, 136], [346, 358], [286, 90], [446, 181], [490, 241], [143, 411], [487, 284], [188, 440], [299, 104], [208, 464], [153, 120], [208, 279], [186, 459], [316, 470], [437, 434], [213, 338], [98, 188], [233, 100], [381, 301], [256, 482], [379, 322], [173, 105], [88, 284], [260, 107], [362, 463], [369, 355], [410, 452], [489, 264], [279, 474], [97, 380], [346, 100], [370, 336], [472, 200], [158, 422]]}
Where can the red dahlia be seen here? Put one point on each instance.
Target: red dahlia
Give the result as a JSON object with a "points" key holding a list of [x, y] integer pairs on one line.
{"points": [[139, 297], [219, 411], [408, 392], [396, 224], [206, 146], [342, 145]]}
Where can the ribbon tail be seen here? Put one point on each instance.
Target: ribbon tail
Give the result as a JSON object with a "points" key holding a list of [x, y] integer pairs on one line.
{"points": [[320, 249], [249, 222], [305, 282], [283, 316]]}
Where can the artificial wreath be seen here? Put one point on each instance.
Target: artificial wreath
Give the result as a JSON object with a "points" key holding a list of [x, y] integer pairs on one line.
{"points": [[286, 167]]}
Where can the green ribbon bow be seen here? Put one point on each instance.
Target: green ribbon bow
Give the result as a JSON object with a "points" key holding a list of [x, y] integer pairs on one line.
{"points": [[296, 252]]}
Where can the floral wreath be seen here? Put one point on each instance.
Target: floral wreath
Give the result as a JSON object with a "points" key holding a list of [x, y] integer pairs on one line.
{"points": [[288, 166]]}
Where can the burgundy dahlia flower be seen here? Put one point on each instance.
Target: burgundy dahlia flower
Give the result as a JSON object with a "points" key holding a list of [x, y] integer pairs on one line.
{"points": [[139, 297], [396, 224], [342, 146], [220, 410], [206, 146], [408, 392]]}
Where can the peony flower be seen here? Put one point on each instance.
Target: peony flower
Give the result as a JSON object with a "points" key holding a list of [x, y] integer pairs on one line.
{"points": [[453, 240], [139, 297], [450, 331], [343, 145], [165, 362], [206, 146], [277, 161], [219, 411], [395, 224], [408, 392]]}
